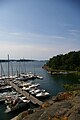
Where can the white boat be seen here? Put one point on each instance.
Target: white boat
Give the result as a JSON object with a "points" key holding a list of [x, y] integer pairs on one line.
{"points": [[24, 99], [32, 90], [31, 86], [22, 78], [26, 84], [34, 85], [29, 75], [4, 88], [8, 86], [42, 94], [35, 92], [26, 88], [39, 77]]}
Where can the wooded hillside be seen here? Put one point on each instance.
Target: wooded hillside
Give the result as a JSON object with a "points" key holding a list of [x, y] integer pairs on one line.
{"points": [[70, 61]]}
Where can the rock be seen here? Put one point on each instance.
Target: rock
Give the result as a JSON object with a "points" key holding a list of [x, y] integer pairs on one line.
{"points": [[65, 107], [63, 96], [45, 105], [22, 115], [30, 111], [34, 116]]}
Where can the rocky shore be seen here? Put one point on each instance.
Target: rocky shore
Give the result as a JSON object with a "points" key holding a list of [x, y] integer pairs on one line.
{"points": [[64, 106], [59, 71]]}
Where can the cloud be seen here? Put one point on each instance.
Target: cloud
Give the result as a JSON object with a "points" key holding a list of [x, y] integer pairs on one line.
{"points": [[74, 32], [28, 34], [66, 24], [29, 38], [34, 46]]}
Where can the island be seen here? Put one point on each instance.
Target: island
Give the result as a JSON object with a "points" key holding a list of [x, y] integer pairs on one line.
{"points": [[63, 64]]}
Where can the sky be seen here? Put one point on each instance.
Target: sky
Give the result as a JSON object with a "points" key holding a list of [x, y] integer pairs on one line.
{"points": [[39, 29]]}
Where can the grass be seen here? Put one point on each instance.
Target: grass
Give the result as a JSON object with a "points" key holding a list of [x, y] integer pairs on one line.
{"points": [[71, 87]]}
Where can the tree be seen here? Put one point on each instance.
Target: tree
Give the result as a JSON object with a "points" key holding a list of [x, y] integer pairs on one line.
{"points": [[70, 61]]}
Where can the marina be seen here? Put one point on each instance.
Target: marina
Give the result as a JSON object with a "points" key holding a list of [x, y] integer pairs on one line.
{"points": [[29, 90], [20, 97], [25, 91]]}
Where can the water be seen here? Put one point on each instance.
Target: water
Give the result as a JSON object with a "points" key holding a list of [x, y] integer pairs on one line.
{"points": [[52, 83]]}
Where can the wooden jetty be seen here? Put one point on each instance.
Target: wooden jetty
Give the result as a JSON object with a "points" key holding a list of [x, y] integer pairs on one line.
{"points": [[24, 93]]}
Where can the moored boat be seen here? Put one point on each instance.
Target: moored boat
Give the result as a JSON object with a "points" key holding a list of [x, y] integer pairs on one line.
{"points": [[39, 77], [42, 94]]}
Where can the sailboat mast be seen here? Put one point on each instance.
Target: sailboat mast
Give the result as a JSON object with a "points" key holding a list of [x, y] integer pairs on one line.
{"points": [[1, 70], [19, 69], [12, 68], [8, 66]]}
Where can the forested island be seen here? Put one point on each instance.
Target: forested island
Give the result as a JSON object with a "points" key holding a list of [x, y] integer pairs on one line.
{"points": [[68, 62]]}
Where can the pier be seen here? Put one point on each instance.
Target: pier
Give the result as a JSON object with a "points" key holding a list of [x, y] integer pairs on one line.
{"points": [[33, 99]]}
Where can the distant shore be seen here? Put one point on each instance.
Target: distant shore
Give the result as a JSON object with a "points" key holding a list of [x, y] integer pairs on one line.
{"points": [[21, 60]]}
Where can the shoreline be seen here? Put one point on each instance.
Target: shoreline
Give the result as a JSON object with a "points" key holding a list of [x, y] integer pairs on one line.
{"points": [[56, 71]]}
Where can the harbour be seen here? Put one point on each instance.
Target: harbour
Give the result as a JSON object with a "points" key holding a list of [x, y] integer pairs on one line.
{"points": [[24, 93], [51, 83], [22, 96]]}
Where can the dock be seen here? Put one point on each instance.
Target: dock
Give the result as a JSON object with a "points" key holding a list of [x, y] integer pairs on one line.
{"points": [[33, 99]]}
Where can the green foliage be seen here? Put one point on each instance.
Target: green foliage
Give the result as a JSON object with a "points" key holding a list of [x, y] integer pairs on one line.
{"points": [[71, 87], [70, 61]]}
